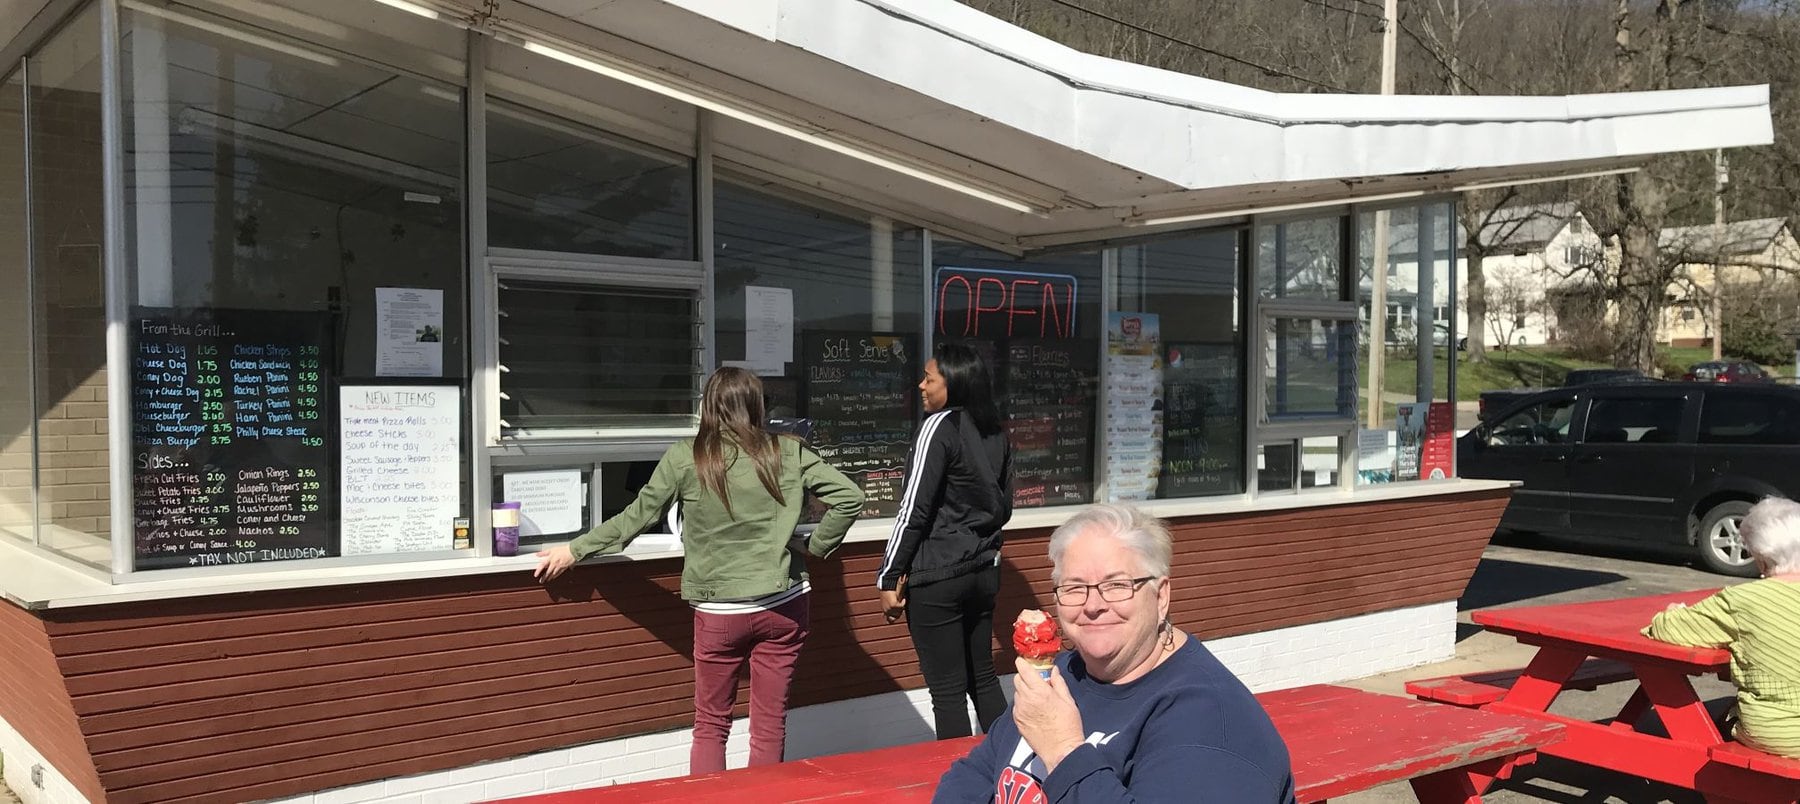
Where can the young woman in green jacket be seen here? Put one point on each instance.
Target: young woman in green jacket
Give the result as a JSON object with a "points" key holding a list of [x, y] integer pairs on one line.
{"points": [[743, 572]]}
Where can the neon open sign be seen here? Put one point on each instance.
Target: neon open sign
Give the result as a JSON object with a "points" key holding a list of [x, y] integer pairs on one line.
{"points": [[983, 303]]}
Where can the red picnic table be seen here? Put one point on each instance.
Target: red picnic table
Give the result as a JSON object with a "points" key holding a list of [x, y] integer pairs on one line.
{"points": [[1582, 645], [1342, 740]]}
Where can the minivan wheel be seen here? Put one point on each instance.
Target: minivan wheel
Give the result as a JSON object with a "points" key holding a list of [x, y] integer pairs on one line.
{"points": [[1720, 544]]}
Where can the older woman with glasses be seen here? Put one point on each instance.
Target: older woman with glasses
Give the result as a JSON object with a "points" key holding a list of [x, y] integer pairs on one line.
{"points": [[1139, 710]]}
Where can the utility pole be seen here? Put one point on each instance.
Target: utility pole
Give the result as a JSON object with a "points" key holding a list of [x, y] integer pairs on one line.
{"points": [[1378, 264], [1721, 176]]}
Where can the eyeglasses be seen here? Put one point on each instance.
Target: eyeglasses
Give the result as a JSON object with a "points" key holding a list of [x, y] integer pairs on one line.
{"points": [[1076, 594]]}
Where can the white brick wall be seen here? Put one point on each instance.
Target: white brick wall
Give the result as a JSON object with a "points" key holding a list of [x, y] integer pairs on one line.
{"points": [[1311, 654], [20, 757]]}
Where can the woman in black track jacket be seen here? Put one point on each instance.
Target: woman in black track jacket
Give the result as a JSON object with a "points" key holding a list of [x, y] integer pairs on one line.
{"points": [[942, 564]]}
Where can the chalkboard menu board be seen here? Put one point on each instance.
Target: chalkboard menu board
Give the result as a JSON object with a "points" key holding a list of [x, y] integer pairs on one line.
{"points": [[231, 443], [861, 395], [1203, 448], [1048, 400]]}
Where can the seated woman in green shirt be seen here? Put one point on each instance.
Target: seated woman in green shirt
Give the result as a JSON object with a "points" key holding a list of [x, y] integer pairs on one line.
{"points": [[1759, 622]]}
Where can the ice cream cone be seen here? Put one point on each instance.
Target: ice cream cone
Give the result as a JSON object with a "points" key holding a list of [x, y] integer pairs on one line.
{"points": [[1044, 666]]}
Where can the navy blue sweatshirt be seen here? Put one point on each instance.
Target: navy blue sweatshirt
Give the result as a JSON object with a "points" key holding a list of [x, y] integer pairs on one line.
{"points": [[1187, 731]]}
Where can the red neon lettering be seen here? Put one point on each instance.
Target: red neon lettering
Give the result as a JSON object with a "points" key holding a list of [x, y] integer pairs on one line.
{"points": [[944, 292], [1013, 309], [982, 283], [1048, 303]]}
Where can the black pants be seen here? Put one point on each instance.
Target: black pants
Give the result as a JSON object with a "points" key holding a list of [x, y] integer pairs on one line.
{"points": [[952, 626]]}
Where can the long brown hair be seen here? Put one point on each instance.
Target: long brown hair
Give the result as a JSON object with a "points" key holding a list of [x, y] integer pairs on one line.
{"points": [[732, 407]]}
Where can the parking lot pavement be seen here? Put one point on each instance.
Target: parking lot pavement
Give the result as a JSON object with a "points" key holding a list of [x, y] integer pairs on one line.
{"points": [[1538, 575]]}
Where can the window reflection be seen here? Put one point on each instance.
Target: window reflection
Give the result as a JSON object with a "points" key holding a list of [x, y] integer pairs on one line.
{"points": [[554, 185], [68, 222]]}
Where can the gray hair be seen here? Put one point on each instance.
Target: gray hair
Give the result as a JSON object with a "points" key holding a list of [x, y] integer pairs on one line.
{"points": [[1771, 532], [1139, 532]]}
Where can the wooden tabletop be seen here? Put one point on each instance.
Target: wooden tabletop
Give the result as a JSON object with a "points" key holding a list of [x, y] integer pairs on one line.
{"points": [[1608, 628], [1392, 739]]}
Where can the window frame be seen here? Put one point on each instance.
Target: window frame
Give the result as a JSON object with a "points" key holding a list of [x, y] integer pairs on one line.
{"points": [[1346, 309], [597, 271]]}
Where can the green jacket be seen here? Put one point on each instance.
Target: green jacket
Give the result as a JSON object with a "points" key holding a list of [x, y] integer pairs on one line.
{"points": [[743, 557]]}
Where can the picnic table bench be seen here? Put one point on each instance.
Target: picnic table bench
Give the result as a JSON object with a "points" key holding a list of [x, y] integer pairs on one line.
{"points": [[1584, 645], [1341, 740]]}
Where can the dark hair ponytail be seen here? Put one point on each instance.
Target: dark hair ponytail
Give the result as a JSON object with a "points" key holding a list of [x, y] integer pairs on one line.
{"points": [[968, 384]]}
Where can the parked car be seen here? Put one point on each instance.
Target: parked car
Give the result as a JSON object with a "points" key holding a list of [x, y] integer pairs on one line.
{"points": [[1726, 371], [1499, 399], [1671, 464]]}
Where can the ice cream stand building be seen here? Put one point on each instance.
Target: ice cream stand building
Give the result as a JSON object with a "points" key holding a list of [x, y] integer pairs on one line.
{"points": [[299, 290]]}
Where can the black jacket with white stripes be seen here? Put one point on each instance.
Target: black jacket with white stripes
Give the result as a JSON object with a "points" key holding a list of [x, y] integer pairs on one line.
{"points": [[958, 495]]}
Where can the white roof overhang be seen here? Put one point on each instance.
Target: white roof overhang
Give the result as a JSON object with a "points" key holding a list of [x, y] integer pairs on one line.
{"points": [[1094, 146]]}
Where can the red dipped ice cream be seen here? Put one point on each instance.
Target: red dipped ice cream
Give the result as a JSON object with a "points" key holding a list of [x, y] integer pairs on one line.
{"points": [[1035, 639]]}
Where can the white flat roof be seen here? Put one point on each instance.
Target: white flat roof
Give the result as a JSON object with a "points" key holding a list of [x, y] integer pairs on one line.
{"points": [[1095, 144], [1099, 141]]}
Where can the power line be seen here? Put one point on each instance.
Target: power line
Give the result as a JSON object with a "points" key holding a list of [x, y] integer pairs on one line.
{"points": [[1266, 70]]}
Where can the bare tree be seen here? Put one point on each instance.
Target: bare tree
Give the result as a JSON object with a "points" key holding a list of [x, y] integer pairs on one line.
{"points": [[1513, 306]]}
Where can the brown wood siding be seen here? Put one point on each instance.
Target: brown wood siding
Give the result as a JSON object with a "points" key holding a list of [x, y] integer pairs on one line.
{"points": [[34, 700], [263, 695]]}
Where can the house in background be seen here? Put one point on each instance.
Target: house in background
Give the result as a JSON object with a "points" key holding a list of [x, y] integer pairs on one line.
{"points": [[1530, 252], [1759, 257]]}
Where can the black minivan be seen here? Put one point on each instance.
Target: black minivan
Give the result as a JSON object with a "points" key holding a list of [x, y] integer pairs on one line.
{"points": [[1673, 464]]}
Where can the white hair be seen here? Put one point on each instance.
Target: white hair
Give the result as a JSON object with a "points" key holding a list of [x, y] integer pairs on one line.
{"points": [[1771, 533], [1139, 532]]}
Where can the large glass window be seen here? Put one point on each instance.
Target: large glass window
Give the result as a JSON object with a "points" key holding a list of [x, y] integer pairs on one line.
{"points": [[581, 355], [556, 185], [67, 237], [1411, 327], [1311, 369], [298, 322], [824, 304], [1185, 437], [1040, 319], [1306, 353], [1300, 260], [18, 516]]}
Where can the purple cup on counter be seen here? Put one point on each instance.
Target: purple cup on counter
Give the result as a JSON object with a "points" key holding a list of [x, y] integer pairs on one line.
{"points": [[506, 529]]}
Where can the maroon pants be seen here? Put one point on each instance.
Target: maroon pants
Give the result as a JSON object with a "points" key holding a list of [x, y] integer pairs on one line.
{"points": [[771, 641]]}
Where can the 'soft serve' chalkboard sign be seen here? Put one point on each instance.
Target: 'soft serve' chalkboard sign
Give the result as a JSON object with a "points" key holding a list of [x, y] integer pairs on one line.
{"points": [[862, 396], [231, 444]]}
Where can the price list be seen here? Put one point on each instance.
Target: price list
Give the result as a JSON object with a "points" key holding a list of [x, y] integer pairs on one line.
{"points": [[860, 394], [1049, 409], [230, 439], [1203, 450]]}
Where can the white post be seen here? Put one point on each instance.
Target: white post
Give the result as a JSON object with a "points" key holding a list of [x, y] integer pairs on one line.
{"points": [[1721, 175], [881, 273], [1390, 38], [151, 182]]}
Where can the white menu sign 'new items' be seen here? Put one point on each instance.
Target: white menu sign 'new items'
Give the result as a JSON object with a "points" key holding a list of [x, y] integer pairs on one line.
{"points": [[400, 457]]}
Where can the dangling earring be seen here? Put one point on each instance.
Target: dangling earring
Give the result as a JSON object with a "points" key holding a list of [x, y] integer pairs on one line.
{"points": [[1168, 629]]}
